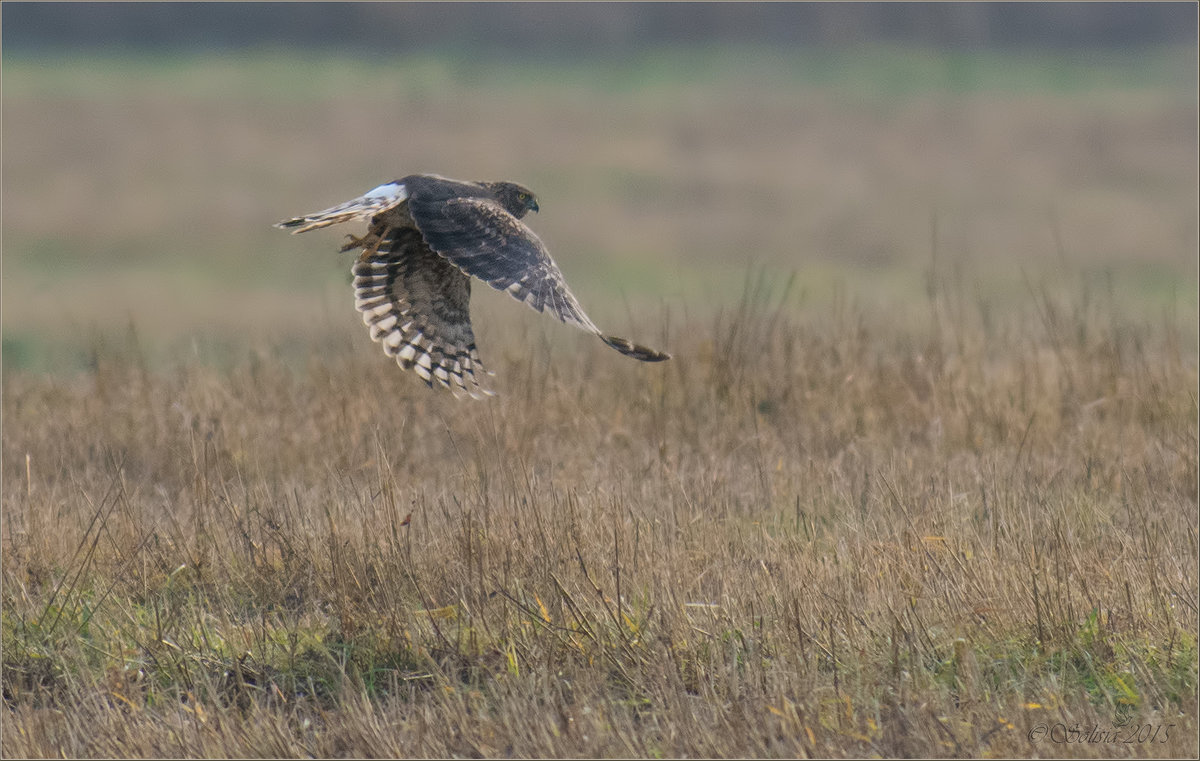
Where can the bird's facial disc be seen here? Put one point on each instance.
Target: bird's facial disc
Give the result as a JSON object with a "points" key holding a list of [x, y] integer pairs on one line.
{"points": [[527, 199]]}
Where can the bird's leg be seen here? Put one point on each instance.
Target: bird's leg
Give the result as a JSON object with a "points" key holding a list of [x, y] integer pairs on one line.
{"points": [[356, 242], [369, 242]]}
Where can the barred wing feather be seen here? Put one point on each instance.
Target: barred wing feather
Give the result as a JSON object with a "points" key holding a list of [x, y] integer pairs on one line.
{"points": [[416, 305]]}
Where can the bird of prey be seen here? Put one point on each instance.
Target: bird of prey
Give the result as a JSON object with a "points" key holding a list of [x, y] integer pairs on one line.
{"points": [[427, 237]]}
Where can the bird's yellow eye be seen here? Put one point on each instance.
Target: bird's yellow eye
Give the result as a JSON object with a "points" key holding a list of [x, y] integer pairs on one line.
{"points": [[522, 196]]}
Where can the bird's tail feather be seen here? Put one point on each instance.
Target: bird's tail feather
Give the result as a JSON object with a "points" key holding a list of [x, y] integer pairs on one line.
{"points": [[630, 349], [364, 207], [317, 221]]}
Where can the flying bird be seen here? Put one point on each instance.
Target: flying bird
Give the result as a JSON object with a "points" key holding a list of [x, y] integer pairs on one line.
{"points": [[427, 237]]}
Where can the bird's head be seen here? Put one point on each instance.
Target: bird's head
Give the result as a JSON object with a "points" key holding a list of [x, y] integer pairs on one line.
{"points": [[515, 199]]}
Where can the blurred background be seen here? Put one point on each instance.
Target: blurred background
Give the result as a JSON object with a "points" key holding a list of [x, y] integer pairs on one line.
{"points": [[865, 148]]}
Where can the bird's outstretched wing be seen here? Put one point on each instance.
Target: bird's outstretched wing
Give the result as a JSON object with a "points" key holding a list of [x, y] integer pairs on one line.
{"points": [[365, 206], [416, 305], [484, 240]]}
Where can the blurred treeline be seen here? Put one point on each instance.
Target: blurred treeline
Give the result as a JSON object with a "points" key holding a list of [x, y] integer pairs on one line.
{"points": [[567, 28]]}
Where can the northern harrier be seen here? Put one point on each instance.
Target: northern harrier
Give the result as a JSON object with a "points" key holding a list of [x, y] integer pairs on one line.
{"points": [[428, 235]]}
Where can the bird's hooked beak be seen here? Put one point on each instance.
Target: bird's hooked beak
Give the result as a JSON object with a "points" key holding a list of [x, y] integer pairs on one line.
{"points": [[533, 206]]}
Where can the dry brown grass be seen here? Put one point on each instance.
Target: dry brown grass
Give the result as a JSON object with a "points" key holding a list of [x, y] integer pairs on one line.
{"points": [[922, 513], [790, 540]]}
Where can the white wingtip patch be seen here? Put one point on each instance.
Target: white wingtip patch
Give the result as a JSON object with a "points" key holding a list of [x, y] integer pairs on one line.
{"points": [[371, 311], [387, 323]]}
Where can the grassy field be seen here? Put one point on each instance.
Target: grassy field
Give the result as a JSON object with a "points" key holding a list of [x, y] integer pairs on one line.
{"points": [[921, 477]]}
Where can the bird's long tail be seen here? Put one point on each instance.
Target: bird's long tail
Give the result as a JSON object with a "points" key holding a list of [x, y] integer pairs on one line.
{"points": [[637, 351], [363, 207]]}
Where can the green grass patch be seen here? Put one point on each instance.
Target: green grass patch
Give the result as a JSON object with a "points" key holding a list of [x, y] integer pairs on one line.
{"points": [[865, 71]]}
